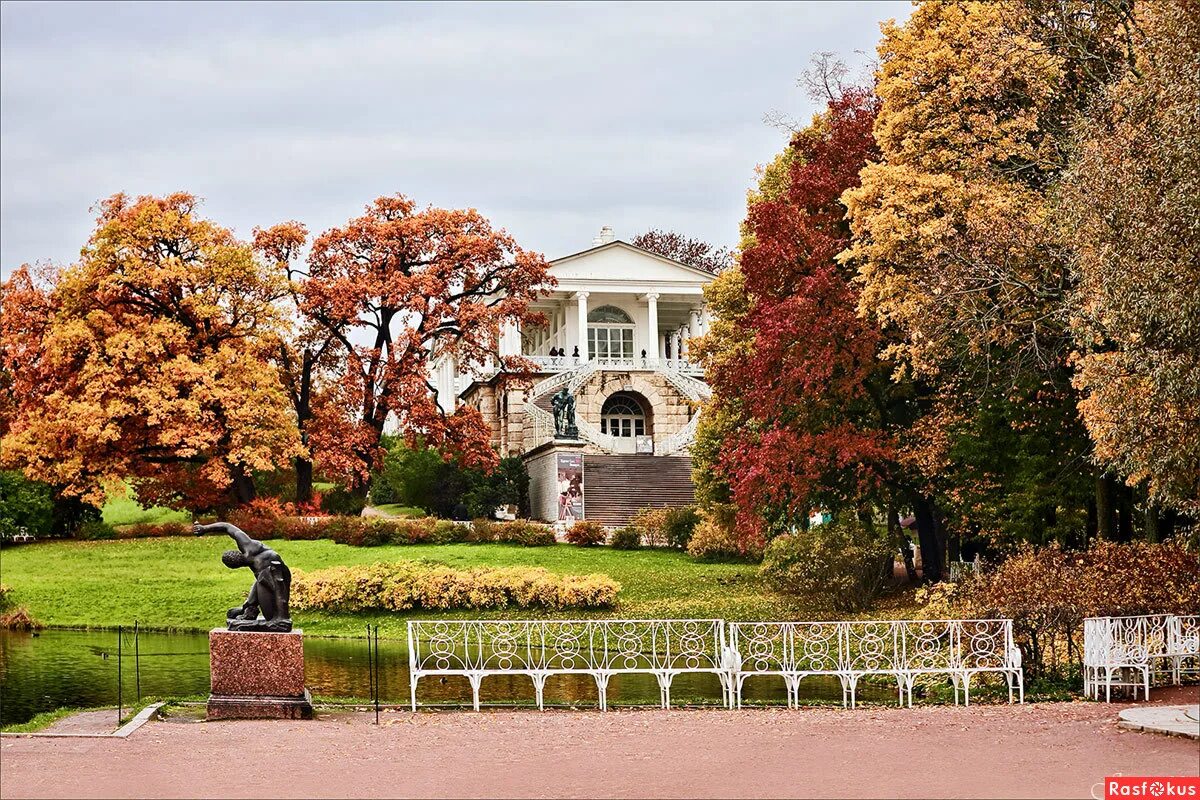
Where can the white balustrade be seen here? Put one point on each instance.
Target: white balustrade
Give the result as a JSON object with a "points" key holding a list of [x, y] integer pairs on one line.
{"points": [[476, 649], [900, 649], [848, 651], [1122, 651]]}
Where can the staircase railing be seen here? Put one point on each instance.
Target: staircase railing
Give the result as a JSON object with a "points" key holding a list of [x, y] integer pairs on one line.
{"points": [[681, 439]]}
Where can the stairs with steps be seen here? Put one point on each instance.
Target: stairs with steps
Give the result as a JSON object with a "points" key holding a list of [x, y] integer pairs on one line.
{"points": [[615, 487]]}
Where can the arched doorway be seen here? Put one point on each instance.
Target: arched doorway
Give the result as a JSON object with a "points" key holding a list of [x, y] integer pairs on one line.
{"points": [[626, 415]]}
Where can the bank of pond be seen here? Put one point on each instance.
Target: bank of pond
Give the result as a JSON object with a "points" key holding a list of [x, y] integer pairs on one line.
{"points": [[50, 669]]}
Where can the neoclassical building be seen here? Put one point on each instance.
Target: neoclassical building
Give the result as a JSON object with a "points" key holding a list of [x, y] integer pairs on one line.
{"points": [[621, 317]]}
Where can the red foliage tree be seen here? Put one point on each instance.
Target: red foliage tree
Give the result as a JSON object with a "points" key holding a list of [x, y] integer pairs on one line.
{"points": [[813, 383], [396, 288]]}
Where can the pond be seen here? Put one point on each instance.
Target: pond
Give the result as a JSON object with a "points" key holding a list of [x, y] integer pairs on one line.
{"points": [[56, 668]]}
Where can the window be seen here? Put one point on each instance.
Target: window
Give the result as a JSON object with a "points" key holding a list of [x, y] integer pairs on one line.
{"points": [[622, 415], [610, 333]]}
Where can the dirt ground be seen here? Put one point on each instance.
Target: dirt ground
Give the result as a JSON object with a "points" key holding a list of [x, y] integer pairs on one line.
{"points": [[1036, 750]]}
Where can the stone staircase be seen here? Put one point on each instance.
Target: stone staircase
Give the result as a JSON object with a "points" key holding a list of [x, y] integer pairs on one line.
{"points": [[615, 487]]}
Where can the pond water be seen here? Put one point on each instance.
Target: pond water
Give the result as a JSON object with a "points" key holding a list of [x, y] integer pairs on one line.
{"points": [[57, 668]]}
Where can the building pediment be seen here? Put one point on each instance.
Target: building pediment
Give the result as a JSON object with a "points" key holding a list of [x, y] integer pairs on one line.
{"points": [[621, 263]]}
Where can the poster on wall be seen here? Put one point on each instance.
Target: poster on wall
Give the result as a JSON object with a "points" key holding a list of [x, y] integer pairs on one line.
{"points": [[570, 486]]}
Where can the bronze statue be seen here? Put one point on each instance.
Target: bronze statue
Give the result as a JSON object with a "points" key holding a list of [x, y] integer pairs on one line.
{"points": [[272, 582], [564, 415]]}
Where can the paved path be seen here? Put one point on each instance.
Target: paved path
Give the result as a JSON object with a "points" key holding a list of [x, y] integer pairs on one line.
{"points": [[1047, 750]]}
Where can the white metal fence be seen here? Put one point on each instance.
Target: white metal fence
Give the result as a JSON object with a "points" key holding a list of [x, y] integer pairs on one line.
{"points": [[1123, 651], [476, 649], [900, 649], [848, 651]]}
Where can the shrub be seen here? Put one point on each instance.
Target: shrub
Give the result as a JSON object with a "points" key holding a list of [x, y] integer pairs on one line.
{"points": [[844, 564], [96, 529], [446, 532], [257, 517], [626, 538], [342, 502], [1048, 592], [670, 526], [716, 539], [148, 530], [19, 619], [407, 585], [520, 532], [586, 533]]}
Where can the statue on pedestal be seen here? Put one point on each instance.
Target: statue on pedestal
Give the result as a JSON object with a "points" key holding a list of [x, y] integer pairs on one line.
{"points": [[564, 415], [272, 582]]}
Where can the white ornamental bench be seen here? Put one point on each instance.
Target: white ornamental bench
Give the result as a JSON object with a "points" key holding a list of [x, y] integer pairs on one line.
{"points": [[1113, 646], [901, 649], [539, 649]]}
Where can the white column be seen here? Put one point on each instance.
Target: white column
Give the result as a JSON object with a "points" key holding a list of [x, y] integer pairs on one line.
{"points": [[661, 342], [681, 348], [651, 337], [510, 339], [582, 297], [694, 322]]}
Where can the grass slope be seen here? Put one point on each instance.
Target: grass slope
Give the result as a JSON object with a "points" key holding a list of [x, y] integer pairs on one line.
{"points": [[180, 583], [127, 511]]}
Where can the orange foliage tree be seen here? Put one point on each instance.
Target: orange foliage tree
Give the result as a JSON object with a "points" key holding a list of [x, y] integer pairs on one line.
{"points": [[396, 289], [147, 360]]}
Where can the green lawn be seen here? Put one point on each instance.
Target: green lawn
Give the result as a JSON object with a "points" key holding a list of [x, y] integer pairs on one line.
{"points": [[398, 510], [180, 583], [127, 511]]}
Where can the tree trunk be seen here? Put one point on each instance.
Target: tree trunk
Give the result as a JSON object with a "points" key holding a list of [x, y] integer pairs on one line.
{"points": [[304, 481], [1089, 533], [1106, 521], [243, 488], [1125, 514], [1152, 522], [933, 567]]}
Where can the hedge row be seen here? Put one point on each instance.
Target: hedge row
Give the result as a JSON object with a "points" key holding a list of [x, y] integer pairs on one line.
{"points": [[370, 531], [402, 586]]}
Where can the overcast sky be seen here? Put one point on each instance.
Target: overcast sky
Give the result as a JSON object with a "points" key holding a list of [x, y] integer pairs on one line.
{"points": [[551, 119]]}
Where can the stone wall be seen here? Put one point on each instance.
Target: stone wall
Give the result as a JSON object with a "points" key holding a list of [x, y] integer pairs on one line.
{"points": [[504, 410]]}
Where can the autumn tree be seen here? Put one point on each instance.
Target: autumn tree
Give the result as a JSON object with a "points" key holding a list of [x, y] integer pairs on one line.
{"points": [[960, 257], [397, 288], [151, 361], [309, 357], [1131, 203], [686, 250]]}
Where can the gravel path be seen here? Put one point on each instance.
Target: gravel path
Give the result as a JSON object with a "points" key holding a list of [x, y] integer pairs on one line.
{"points": [[1042, 750]]}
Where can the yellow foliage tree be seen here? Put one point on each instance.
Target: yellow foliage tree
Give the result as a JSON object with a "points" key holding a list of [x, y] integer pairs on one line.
{"points": [[154, 365]]}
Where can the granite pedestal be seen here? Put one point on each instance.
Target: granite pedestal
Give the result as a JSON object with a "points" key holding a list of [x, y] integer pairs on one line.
{"points": [[257, 675]]}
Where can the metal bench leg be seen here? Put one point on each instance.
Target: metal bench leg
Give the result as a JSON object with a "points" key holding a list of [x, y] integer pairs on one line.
{"points": [[741, 679], [664, 687], [966, 688], [412, 688], [853, 688], [539, 688], [602, 689], [475, 679], [1108, 684], [955, 679], [900, 683]]}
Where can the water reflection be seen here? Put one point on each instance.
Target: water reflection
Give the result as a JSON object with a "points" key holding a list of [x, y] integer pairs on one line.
{"points": [[79, 668]]}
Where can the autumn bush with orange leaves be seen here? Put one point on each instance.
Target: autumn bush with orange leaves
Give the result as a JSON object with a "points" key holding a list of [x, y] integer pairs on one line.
{"points": [[1049, 591]]}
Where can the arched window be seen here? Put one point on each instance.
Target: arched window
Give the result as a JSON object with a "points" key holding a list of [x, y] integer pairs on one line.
{"points": [[610, 333], [622, 415]]}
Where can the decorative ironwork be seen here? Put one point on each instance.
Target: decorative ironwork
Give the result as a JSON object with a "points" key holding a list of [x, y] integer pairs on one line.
{"points": [[541, 648], [901, 649], [1122, 651], [848, 651]]}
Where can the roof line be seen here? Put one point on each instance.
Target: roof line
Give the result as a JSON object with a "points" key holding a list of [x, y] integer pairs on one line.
{"points": [[624, 243]]}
